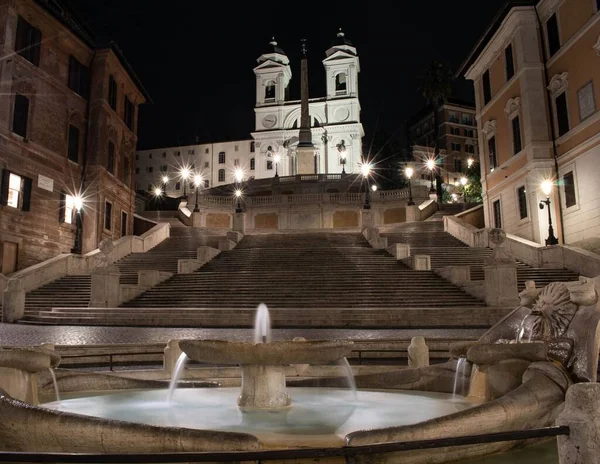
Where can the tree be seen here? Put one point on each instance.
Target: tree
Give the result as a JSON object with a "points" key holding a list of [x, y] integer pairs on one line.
{"points": [[437, 87]]}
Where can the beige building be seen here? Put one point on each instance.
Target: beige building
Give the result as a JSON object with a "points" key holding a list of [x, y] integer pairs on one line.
{"points": [[68, 124], [536, 73], [458, 139]]}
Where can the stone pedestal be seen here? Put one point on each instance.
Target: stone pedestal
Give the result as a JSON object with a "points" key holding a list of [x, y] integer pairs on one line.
{"points": [[239, 223], [367, 219], [306, 160], [105, 291], [500, 284], [413, 213], [582, 416], [402, 250], [418, 353], [13, 301], [459, 275], [263, 387], [198, 220], [421, 262]]}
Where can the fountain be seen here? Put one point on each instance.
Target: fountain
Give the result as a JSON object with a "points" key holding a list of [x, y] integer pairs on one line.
{"points": [[512, 386]]}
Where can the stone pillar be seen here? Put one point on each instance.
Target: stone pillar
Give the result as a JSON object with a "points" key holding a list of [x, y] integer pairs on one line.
{"points": [[13, 301], [239, 223], [459, 275], [500, 271], [421, 262], [105, 288], [582, 416], [198, 220], [418, 353], [367, 219], [413, 213], [263, 387]]}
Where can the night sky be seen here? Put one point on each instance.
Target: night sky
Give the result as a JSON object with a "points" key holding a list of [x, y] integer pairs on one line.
{"points": [[196, 58]]}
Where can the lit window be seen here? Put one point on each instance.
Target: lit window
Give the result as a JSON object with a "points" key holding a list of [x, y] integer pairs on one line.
{"points": [[14, 190], [69, 208]]}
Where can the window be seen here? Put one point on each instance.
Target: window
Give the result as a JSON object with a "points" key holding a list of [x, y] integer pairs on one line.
{"points": [[252, 147], [129, 112], [206, 183], [341, 83], [150, 156], [470, 149], [522, 198], [137, 170], [553, 36], [206, 151], [149, 187], [15, 185], [236, 148], [73, 147], [108, 215], [78, 77], [123, 223], [269, 165], [150, 168], [452, 117], [164, 168], [457, 165], [28, 41], [206, 164], [66, 208], [221, 175], [252, 164], [492, 153], [597, 5], [178, 186], [455, 146], [164, 155], [455, 131], [126, 171], [509, 62], [236, 163], [497, 215], [110, 159], [222, 157], [270, 91], [516, 135], [487, 88], [569, 182], [177, 153], [585, 98], [137, 156], [21, 115], [191, 152], [470, 133], [562, 115], [112, 92], [467, 119]]}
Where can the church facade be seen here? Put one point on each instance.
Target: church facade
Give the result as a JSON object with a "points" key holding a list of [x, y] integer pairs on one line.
{"points": [[334, 121]]}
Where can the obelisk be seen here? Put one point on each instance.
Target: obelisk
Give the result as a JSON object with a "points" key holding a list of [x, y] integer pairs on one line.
{"points": [[305, 152]]}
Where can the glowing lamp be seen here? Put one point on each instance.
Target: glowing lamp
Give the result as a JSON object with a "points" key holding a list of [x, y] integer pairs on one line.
{"points": [[409, 172], [197, 180], [547, 187]]}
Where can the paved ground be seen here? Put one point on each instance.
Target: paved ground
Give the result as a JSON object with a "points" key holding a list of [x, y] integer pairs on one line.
{"points": [[24, 335]]}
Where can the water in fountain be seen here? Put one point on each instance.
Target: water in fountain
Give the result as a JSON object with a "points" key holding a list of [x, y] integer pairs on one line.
{"points": [[53, 375], [525, 332], [262, 325], [183, 359], [461, 367], [349, 374]]}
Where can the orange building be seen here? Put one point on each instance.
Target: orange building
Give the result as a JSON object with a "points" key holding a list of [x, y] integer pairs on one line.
{"points": [[68, 122], [536, 72]]}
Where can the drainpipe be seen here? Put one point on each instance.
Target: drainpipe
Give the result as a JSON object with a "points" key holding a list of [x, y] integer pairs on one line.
{"points": [[552, 130]]}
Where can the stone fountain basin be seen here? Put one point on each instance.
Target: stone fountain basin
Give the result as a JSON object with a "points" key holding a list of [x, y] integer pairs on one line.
{"points": [[28, 360], [266, 354]]}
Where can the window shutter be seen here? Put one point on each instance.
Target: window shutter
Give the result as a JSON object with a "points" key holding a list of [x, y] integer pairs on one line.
{"points": [[27, 184], [4, 187], [61, 208]]}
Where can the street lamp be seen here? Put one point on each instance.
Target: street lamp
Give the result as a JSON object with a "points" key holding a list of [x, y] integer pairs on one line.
{"points": [[431, 167], [157, 192], [165, 181], [197, 182], [547, 189], [470, 162], [343, 155], [238, 195], [276, 159], [78, 204], [239, 176], [365, 169], [408, 172], [185, 174]]}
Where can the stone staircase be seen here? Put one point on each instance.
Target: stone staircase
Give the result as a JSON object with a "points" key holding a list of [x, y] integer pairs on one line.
{"points": [[446, 210], [429, 238], [74, 291]]}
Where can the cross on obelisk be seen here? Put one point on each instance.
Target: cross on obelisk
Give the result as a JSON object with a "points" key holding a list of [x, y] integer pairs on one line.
{"points": [[305, 152]]}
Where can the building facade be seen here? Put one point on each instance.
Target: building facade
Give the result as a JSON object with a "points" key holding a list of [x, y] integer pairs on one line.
{"points": [[458, 140], [536, 73], [68, 124], [335, 125]]}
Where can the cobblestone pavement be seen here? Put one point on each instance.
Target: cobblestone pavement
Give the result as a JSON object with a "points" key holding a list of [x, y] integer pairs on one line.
{"points": [[25, 335]]}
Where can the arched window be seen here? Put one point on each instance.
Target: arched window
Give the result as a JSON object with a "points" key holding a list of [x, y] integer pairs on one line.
{"points": [[221, 175], [340, 83], [270, 91], [252, 164], [252, 147]]}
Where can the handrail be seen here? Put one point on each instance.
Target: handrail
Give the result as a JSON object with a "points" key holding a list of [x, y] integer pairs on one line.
{"points": [[282, 454]]}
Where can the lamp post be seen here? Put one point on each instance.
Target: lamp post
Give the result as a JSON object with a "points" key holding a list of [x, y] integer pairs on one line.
{"points": [[239, 177], [197, 182], [547, 189], [431, 167], [366, 171], [78, 203], [276, 160], [408, 172], [185, 174], [343, 161], [165, 181], [464, 181], [470, 162]]}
